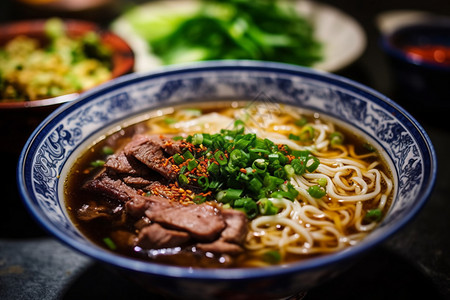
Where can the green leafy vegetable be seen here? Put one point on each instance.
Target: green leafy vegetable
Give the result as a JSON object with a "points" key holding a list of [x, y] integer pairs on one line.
{"points": [[234, 29]]}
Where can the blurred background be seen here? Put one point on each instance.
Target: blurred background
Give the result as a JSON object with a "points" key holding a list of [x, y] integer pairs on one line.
{"points": [[414, 264], [365, 13]]}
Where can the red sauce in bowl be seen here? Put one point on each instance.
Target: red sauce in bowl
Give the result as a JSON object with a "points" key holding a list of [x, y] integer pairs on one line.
{"points": [[430, 53]]}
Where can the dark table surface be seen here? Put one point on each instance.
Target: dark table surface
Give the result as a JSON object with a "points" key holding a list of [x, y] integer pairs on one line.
{"points": [[413, 264]]}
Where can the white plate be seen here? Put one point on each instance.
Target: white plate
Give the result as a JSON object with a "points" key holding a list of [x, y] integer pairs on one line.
{"points": [[343, 38], [389, 21]]}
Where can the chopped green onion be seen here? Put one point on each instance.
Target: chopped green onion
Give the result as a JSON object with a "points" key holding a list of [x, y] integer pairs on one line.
{"points": [[373, 215], [238, 157], [322, 182], [193, 112], [198, 199], [221, 158], [300, 153], [289, 171], [213, 169], [109, 243], [246, 205], [197, 139], [203, 182], [269, 143], [218, 142], [273, 157], [260, 165], [242, 177], [178, 159], [182, 179], [244, 142], [272, 257], [281, 194], [228, 195], [311, 167], [298, 166], [266, 207], [188, 155], [336, 138], [307, 133], [213, 185], [192, 164], [207, 140], [255, 185], [249, 170], [261, 144], [239, 126], [292, 190], [294, 137], [98, 163], [301, 122], [170, 121], [317, 191], [259, 150], [241, 169], [280, 173], [369, 147], [107, 150], [232, 169], [272, 182]]}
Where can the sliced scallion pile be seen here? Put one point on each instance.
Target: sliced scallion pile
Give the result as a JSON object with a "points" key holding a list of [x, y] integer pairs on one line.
{"points": [[243, 171]]}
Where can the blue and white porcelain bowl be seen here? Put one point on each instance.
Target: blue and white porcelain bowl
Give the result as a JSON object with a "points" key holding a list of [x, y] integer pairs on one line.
{"points": [[57, 142]]}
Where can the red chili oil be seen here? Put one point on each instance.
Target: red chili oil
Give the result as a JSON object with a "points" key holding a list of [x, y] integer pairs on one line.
{"points": [[430, 53]]}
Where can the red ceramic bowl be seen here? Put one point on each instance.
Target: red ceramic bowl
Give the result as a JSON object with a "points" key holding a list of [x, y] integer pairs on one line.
{"points": [[18, 119]]}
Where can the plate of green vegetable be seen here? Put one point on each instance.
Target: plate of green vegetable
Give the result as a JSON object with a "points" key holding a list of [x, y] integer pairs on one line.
{"points": [[300, 32]]}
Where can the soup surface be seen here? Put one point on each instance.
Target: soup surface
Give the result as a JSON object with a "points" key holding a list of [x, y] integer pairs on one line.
{"points": [[232, 184]]}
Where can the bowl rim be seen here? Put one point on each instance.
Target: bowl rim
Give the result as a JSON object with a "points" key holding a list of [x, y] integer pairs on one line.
{"points": [[220, 274], [121, 51], [387, 44]]}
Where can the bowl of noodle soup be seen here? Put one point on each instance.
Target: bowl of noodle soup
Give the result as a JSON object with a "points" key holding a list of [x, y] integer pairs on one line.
{"points": [[227, 179]]}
